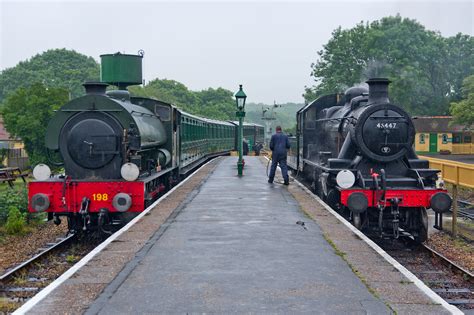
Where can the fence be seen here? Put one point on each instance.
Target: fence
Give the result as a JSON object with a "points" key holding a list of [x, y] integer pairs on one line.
{"points": [[16, 158], [463, 148], [457, 174]]}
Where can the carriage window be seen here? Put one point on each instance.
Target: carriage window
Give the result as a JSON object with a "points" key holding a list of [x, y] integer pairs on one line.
{"points": [[444, 138], [422, 138], [467, 139]]}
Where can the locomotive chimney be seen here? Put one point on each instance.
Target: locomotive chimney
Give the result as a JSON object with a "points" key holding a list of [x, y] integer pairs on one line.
{"points": [[378, 90], [96, 88]]}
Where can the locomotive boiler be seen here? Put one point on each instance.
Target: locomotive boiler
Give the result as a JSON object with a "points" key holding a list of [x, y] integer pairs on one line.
{"points": [[356, 151]]}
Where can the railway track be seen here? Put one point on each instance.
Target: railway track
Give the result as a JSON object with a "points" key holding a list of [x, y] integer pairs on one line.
{"points": [[449, 280], [41, 253], [465, 209], [23, 281]]}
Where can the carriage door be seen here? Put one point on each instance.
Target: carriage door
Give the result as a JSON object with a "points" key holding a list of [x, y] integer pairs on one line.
{"points": [[433, 142]]}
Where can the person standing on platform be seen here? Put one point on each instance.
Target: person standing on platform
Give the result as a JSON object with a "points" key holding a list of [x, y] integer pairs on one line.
{"points": [[279, 144], [245, 147]]}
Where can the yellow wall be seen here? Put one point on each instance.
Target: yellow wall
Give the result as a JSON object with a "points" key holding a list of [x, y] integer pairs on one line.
{"points": [[18, 145], [425, 147], [445, 146], [422, 147]]}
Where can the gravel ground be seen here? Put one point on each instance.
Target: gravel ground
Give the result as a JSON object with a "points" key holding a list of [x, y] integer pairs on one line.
{"points": [[458, 251], [16, 249]]}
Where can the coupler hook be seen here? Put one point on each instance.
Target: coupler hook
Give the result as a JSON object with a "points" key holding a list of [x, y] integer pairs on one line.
{"points": [[395, 212], [84, 212]]}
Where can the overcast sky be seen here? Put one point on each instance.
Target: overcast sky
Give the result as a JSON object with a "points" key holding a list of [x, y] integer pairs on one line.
{"points": [[267, 46]]}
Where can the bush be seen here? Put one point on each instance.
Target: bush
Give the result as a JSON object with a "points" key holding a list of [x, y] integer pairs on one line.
{"points": [[15, 222], [16, 198]]}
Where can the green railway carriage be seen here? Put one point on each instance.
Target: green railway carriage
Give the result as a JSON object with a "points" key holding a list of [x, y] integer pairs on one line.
{"points": [[201, 138], [253, 133], [259, 134]]}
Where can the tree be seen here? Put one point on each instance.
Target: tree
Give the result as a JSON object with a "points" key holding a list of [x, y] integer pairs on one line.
{"points": [[217, 103], [463, 111], [423, 66], [211, 103], [460, 62], [342, 60], [26, 114], [54, 68]]}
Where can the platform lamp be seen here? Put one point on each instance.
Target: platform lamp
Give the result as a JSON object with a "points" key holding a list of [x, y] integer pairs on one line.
{"points": [[240, 98]]}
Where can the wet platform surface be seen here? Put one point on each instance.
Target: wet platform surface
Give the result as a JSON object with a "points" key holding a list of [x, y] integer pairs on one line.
{"points": [[234, 247]]}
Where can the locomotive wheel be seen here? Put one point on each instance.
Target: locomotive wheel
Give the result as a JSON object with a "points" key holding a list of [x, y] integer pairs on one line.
{"points": [[356, 219], [422, 232]]}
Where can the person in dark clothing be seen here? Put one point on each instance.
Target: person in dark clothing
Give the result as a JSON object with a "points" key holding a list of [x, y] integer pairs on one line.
{"points": [[257, 148], [279, 144], [245, 147]]}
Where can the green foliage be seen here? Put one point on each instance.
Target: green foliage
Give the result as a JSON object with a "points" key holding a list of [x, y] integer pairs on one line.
{"points": [[284, 114], [425, 68], [15, 222], [16, 198], [463, 111], [71, 259], [212, 103], [55, 68], [26, 114]]}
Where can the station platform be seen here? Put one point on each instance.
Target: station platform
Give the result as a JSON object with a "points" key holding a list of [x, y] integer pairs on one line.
{"points": [[224, 244]]}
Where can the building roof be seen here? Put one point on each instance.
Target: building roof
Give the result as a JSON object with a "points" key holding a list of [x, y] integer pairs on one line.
{"points": [[437, 124], [4, 135]]}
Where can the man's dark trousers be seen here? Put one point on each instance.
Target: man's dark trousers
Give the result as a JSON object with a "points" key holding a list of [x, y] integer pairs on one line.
{"points": [[284, 169]]}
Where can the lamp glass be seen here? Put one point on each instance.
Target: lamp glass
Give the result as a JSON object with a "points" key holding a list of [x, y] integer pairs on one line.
{"points": [[240, 102]]}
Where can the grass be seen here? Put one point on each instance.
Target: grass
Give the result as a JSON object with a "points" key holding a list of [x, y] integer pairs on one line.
{"points": [[71, 259], [7, 306], [17, 183], [21, 279]]}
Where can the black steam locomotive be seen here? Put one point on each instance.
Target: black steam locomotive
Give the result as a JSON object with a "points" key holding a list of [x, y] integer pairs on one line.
{"points": [[356, 151]]}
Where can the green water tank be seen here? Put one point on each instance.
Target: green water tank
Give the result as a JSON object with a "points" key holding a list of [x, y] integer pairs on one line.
{"points": [[121, 70]]}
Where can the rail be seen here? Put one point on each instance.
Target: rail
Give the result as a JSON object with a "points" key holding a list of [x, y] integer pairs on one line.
{"points": [[457, 174], [50, 247]]}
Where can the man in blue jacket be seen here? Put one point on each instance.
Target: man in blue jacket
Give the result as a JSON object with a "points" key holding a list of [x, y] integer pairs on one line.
{"points": [[279, 144]]}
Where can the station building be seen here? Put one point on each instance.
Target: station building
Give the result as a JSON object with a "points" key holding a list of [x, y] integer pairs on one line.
{"points": [[12, 150], [437, 134]]}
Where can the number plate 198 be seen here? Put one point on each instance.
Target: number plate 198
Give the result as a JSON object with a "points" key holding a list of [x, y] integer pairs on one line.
{"points": [[100, 197]]}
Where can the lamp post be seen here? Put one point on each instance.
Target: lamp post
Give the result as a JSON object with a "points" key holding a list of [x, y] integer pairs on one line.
{"points": [[240, 98]]}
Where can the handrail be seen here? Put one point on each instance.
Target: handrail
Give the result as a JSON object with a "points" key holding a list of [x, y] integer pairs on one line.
{"points": [[456, 173], [453, 172]]}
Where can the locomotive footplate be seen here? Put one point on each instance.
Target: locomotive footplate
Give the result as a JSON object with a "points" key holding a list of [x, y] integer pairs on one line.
{"points": [[85, 197], [406, 197]]}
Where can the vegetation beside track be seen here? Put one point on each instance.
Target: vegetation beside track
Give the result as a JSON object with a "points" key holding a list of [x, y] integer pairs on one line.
{"points": [[14, 216]]}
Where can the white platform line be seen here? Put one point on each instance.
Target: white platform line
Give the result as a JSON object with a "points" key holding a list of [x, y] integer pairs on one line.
{"points": [[53, 285], [410, 276]]}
